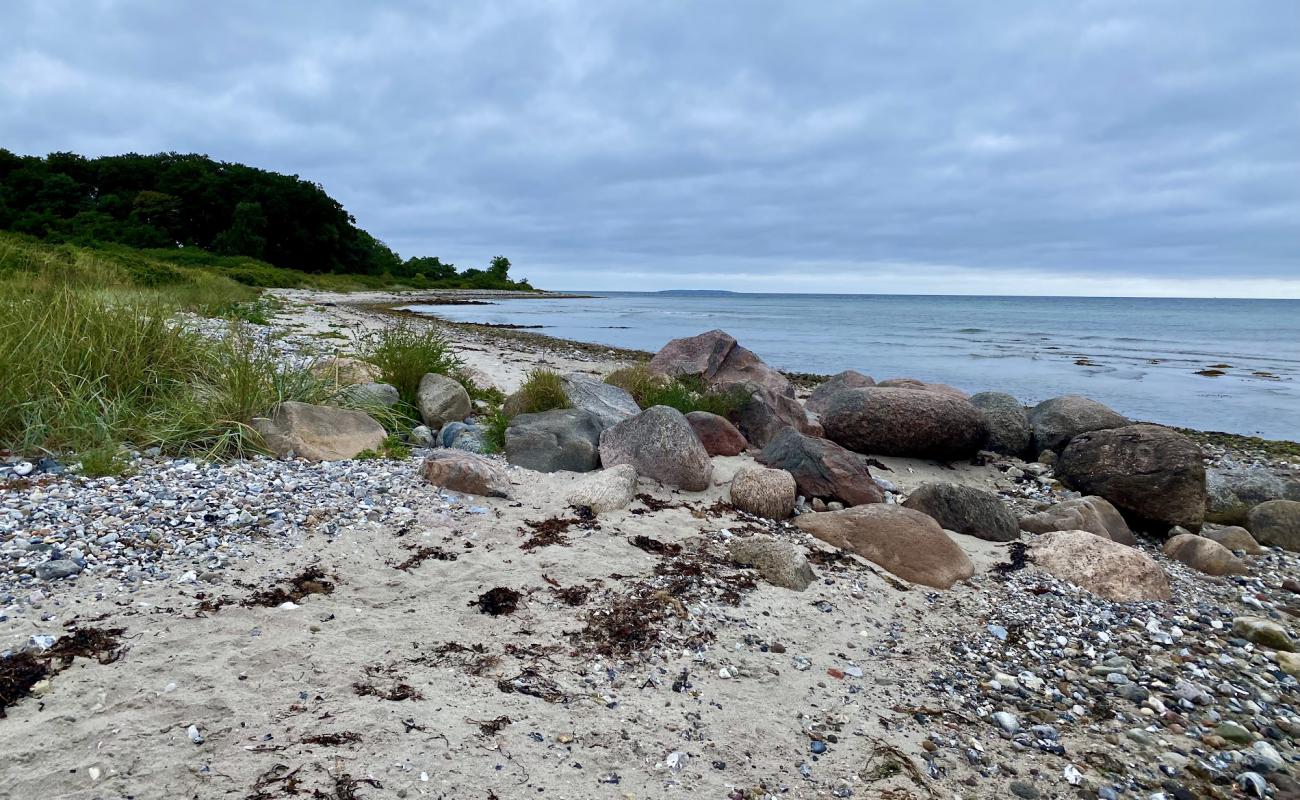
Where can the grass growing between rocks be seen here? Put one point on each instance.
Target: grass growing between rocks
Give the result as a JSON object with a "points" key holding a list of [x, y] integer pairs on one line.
{"points": [[542, 390], [405, 353], [684, 393]]}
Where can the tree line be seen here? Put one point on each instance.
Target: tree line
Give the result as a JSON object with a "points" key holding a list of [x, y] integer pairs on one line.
{"points": [[181, 201]]}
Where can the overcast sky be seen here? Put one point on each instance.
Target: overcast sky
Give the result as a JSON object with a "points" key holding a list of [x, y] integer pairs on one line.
{"points": [[929, 147]]}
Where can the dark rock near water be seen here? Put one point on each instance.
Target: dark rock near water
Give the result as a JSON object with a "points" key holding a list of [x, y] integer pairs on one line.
{"points": [[848, 379], [1007, 422], [765, 413], [967, 510], [562, 439], [717, 434], [821, 468], [1153, 475], [904, 422], [1060, 419], [1093, 514]]}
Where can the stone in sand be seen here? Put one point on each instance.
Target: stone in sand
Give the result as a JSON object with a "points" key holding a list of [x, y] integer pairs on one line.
{"points": [[465, 472], [660, 444], [373, 394], [967, 510], [1234, 537], [1092, 514], [719, 437], [442, 400], [560, 439], [848, 379], [904, 422], [780, 563], [717, 359], [822, 469], [1204, 555], [1007, 422], [908, 543], [318, 433], [1236, 488], [605, 490], [1263, 632], [345, 371], [1060, 419], [1276, 523], [764, 492], [1105, 568], [609, 403], [462, 436], [1155, 476]]}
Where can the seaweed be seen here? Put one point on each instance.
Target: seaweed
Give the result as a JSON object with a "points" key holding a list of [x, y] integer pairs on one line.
{"points": [[654, 504], [331, 739], [310, 581], [422, 554], [19, 672], [398, 691], [572, 595], [654, 546], [550, 531], [1017, 559], [490, 727], [498, 601]]}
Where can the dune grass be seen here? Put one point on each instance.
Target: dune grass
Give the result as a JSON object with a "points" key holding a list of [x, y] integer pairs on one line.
{"points": [[542, 390], [405, 353], [684, 393]]}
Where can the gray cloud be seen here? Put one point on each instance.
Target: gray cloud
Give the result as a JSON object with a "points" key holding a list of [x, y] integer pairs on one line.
{"points": [[1019, 141]]}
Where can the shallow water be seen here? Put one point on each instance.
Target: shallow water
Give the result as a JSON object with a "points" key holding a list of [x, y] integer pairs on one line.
{"points": [[1138, 355]]}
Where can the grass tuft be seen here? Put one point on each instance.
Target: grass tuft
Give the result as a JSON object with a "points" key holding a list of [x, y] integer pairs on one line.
{"points": [[542, 390], [405, 352], [684, 393]]}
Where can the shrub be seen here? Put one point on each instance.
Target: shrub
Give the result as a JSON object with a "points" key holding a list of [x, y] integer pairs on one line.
{"points": [[638, 381], [542, 390], [404, 353], [494, 431]]}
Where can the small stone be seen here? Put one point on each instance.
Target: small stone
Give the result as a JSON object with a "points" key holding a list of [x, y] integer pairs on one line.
{"points": [[1006, 721], [1022, 789]]}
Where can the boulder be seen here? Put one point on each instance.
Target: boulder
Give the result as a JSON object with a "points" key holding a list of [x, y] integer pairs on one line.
{"points": [[1276, 523], [1264, 632], [344, 371], [848, 379], [904, 422], [780, 563], [1057, 421], [821, 468], [908, 543], [1234, 538], [765, 413], [660, 444], [967, 510], [1006, 421], [1105, 568], [373, 394], [913, 383], [764, 492], [318, 433], [561, 439], [1204, 555], [719, 436], [442, 400], [462, 436], [605, 490], [421, 436], [467, 473], [1234, 489], [1153, 475], [609, 403], [718, 360], [1092, 514]]}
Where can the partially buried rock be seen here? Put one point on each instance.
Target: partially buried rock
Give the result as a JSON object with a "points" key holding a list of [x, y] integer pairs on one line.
{"points": [[1060, 419], [606, 489], [908, 543], [610, 404], [904, 422], [780, 563], [1092, 514], [1234, 538], [1204, 555], [822, 469], [1276, 523], [467, 473], [1007, 422], [56, 568], [719, 437], [562, 439], [848, 379], [1264, 632], [764, 492], [1155, 476], [967, 510], [442, 400], [462, 436], [318, 433], [660, 444], [1105, 568], [345, 371], [373, 394]]}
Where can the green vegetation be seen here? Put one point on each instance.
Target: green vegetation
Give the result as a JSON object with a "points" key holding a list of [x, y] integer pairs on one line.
{"points": [[256, 227], [393, 448], [404, 353], [542, 390], [684, 393], [494, 430]]}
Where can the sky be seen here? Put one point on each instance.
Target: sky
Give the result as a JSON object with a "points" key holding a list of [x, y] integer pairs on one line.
{"points": [[950, 147]]}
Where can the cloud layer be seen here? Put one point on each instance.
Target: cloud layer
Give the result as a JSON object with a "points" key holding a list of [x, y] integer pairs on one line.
{"points": [[1018, 147]]}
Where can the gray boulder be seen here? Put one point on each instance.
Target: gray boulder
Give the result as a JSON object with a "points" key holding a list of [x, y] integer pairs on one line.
{"points": [[1007, 423], [780, 563], [442, 400], [660, 444], [822, 469], [1234, 489], [605, 489], [609, 403], [1060, 419], [848, 379], [1155, 476], [318, 433], [1092, 514], [904, 422], [1276, 523], [462, 436], [421, 436], [56, 568], [562, 439], [967, 510], [764, 413], [373, 394]]}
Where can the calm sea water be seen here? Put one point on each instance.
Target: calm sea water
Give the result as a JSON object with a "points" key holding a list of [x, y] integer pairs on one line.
{"points": [[1140, 356]]}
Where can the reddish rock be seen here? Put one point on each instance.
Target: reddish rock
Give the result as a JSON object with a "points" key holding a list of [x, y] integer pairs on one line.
{"points": [[465, 472], [904, 422], [822, 469], [848, 379], [718, 360], [719, 437], [765, 413], [1204, 555]]}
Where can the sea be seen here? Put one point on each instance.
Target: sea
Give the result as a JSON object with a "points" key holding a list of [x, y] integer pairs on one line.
{"points": [[1218, 365]]}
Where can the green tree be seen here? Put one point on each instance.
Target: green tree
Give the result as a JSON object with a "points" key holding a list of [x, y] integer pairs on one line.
{"points": [[245, 236]]}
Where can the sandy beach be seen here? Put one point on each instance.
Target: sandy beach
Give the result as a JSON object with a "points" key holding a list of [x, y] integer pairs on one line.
{"points": [[627, 657]]}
